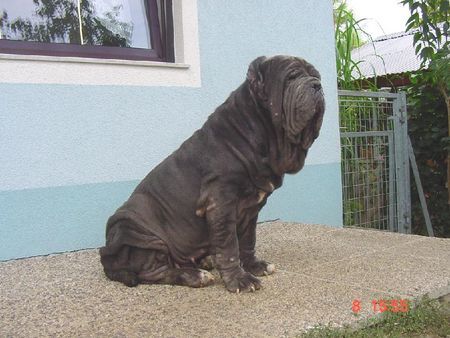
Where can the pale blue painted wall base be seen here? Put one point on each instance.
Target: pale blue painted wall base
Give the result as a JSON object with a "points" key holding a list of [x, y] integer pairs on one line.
{"points": [[311, 196], [48, 220]]}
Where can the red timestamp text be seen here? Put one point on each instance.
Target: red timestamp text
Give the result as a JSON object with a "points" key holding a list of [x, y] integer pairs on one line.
{"points": [[382, 305]]}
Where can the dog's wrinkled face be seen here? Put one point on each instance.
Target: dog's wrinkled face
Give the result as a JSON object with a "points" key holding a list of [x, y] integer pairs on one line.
{"points": [[290, 89]]}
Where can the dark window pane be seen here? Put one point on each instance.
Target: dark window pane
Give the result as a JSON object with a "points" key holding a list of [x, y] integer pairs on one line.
{"points": [[121, 23], [54, 21], [88, 28]]}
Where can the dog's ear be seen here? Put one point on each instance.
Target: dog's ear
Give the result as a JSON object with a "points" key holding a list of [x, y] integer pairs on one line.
{"points": [[279, 76], [255, 77], [273, 94]]}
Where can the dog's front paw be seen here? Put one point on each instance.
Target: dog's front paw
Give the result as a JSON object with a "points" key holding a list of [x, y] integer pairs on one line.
{"points": [[243, 282], [260, 268]]}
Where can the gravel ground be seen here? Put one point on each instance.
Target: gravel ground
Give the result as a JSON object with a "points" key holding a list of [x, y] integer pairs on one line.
{"points": [[320, 272]]}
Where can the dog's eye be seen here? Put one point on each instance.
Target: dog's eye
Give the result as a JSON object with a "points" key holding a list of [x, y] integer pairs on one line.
{"points": [[293, 75]]}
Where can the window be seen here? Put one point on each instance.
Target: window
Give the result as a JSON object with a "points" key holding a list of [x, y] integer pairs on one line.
{"points": [[112, 29]]}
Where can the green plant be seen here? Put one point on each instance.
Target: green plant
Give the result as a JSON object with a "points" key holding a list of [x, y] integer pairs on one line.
{"points": [[348, 35], [427, 129], [430, 23]]}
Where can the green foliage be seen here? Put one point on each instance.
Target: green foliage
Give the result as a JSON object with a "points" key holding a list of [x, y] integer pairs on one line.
{"points": [[348, 33], [429, 97], [428, 132], [430, 22]]}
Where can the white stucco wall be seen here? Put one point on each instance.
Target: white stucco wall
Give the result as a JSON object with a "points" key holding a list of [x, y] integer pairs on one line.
{"points": [[75, 137]]}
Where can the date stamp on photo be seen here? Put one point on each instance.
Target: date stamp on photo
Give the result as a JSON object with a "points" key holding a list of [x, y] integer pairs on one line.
{"points": [[382, 305]]}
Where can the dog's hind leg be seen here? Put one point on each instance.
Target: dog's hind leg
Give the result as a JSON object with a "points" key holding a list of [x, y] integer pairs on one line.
{"points": [[206, 263], [129, 278], [159, 268], [191, 277], [143, 266]]}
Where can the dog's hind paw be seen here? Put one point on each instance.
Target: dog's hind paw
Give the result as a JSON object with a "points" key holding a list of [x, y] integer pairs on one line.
{"points": [[206, 278]]}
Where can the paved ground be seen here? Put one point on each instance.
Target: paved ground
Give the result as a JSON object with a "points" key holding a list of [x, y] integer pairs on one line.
{"points": [[321, 270]]}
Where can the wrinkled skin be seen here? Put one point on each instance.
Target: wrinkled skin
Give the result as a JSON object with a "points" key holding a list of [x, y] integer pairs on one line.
{"points": [[199, 207]]}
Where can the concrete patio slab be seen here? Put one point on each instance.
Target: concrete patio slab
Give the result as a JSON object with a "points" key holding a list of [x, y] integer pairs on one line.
{"points": [[401, 274], [321, 271]]}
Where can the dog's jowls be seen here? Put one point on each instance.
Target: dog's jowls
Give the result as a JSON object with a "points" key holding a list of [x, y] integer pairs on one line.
{"points": [[198, 208]]}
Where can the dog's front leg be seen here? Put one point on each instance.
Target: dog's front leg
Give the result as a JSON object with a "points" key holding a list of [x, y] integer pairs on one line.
{"points": [[247, 241], [221, 216]]}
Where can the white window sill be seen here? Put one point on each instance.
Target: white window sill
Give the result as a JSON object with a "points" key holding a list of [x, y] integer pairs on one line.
{"points": [[92, 60]]}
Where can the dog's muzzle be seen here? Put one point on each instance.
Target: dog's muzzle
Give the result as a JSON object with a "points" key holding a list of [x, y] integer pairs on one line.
{"points": [[303, 98]]}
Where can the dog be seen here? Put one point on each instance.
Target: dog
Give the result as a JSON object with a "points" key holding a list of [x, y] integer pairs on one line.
{"points": [[198, 208]]}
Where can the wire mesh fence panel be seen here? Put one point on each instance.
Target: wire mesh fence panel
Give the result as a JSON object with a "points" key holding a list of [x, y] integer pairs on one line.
{"points": [[369, 170]]}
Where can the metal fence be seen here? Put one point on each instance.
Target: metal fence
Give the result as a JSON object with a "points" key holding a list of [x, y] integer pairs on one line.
{"points": [[375, 169]]}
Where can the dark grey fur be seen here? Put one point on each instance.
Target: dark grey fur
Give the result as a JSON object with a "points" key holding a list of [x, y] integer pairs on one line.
{"points": [[204, 199]]}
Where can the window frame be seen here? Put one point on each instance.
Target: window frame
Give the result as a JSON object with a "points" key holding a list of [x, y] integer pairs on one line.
{"points": [[161, 35]]}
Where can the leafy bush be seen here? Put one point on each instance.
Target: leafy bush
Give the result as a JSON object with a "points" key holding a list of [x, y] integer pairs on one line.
{"points": [[428, 131], [429, 96]]}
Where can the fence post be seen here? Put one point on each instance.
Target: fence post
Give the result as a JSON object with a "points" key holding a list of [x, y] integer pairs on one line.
{"points": [[402, 164], [407, 169]]}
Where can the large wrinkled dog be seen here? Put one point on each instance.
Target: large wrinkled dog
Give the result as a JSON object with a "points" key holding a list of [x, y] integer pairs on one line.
{"points": [[203, 200]]}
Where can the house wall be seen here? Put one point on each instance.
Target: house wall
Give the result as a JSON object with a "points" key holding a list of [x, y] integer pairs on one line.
{"points": [[71, 152]]}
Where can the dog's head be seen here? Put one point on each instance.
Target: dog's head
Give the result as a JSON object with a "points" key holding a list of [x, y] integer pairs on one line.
{"points": [[290, 89]]}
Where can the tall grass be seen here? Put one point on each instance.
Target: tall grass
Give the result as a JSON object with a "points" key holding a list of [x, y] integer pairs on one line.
{"points": [[348, 35]]}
